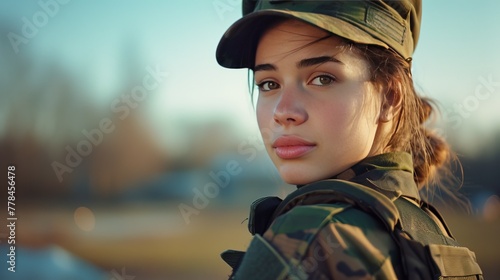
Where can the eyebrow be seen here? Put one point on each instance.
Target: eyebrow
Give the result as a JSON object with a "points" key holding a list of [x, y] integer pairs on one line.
{"points": [[307, 62], [265, 67], [316, 61]]}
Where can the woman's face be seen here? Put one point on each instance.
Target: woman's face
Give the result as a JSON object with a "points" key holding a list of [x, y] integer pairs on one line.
{"points": [[317, 110]]}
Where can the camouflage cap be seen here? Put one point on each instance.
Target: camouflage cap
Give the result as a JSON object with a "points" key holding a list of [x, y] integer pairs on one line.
{"points": [[393, 24]]}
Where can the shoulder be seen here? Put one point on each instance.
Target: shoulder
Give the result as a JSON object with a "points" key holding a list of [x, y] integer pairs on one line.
{"points": [[334, 240], [311, 218]]}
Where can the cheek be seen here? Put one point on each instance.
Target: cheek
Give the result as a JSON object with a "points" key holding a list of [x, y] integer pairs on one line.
{"points": [[347, 120], [261, 114], [264, 118], [338, 115]]}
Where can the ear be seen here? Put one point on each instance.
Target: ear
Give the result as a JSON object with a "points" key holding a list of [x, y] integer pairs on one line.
{"points": [[392, 103]]}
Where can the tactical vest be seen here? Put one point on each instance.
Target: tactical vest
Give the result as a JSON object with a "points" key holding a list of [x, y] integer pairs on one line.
{"points": [[426, 251]]}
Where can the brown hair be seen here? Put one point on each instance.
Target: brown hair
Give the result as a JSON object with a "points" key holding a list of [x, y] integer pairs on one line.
{"points": [[432, 156]]}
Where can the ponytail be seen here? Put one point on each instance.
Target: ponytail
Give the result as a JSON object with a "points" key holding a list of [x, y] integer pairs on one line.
{"points": [[432, 156], [432, 153]]}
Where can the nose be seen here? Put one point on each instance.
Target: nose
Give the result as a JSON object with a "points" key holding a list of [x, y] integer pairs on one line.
{"points": [[289, 109]]}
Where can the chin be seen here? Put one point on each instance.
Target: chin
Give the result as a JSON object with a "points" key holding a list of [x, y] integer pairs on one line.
{"points": [[297, 177], [301, 174]]}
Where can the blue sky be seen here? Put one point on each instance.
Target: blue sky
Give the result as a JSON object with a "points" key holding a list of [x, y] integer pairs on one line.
{"points": [[95, 40]]}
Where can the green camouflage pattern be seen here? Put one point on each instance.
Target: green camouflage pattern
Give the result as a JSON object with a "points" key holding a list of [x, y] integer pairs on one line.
{"points": [[338, 241], [389, 24], [366, 223], [349, 244]]}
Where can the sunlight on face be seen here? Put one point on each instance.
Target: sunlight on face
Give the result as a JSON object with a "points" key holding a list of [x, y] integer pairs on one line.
{"points": [[317, 110]]}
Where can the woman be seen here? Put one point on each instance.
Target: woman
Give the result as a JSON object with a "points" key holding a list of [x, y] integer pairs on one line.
{"points": [[340, 119]]}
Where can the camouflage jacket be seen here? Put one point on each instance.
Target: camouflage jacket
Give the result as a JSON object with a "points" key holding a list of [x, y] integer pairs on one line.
{"points": [[312, 239]]}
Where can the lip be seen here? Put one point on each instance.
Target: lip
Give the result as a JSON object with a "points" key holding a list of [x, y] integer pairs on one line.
{"points": [[291, 147]]}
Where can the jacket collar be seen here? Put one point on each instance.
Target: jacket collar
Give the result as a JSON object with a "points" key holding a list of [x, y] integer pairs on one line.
{"points": [[387, 173]]}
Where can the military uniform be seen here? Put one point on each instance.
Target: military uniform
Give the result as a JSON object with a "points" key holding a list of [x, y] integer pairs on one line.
{"points": [[369, 221], [314, 235]]}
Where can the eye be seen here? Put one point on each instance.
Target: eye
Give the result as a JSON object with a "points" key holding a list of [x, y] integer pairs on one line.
{"points": [[323, 80], [268, 85]]}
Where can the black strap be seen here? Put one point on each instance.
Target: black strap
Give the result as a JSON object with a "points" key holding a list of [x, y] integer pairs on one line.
{"points": [[232, 257], [261, 212]]}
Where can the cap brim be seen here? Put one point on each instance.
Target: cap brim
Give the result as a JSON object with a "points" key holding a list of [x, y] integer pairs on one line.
{"points": [[237, 46]]}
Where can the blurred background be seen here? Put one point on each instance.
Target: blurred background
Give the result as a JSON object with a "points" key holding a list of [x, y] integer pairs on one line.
{"points": [[137, 156]]}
